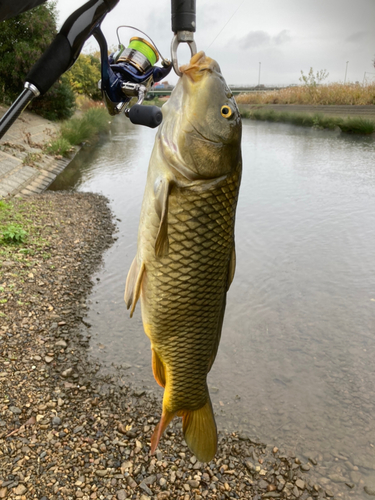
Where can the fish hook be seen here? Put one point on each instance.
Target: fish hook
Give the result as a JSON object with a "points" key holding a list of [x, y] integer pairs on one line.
{"points": [[182, 37]]}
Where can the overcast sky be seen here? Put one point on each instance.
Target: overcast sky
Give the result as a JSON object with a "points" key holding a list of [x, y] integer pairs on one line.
{"points": [[285, 36]]}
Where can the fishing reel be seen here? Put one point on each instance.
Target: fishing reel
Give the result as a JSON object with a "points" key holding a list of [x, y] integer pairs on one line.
{"points": [[129, 73]]}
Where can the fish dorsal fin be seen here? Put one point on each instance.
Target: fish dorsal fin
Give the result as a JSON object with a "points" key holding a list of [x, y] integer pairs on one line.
{"points": [[158, 369], [232, 267], [162, 189], [133, 284]]}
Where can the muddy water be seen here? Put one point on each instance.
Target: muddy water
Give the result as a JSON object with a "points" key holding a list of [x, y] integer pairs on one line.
{"points": [[296, 364]]}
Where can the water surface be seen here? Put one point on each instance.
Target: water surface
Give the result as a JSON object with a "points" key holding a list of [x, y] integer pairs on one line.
{"points": [[296, 360]]}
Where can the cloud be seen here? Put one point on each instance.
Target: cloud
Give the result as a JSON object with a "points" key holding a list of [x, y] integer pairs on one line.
{"points": [[359, 36], [282, 37], [263, 39]]}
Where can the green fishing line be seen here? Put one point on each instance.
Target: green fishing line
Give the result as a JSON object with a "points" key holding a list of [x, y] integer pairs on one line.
{"points": [[143, 48]]}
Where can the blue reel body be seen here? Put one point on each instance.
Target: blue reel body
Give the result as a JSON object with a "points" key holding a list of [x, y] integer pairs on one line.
{"points": [[121, 81]]}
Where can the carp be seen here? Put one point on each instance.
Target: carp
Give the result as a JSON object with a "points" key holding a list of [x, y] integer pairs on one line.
{"points": [[185, 259]]}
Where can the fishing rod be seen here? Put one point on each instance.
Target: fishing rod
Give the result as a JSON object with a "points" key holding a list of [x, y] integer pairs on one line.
{"points": [[126, 74]]}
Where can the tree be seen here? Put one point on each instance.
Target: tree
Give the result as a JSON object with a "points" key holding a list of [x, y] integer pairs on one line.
{"points": [[23, 39], [84, 76], [311, 80]]}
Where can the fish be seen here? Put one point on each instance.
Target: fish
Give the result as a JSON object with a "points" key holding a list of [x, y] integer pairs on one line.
{"points": [[185, 260]]}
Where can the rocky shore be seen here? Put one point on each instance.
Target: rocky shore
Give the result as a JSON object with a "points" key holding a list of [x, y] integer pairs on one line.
{"points": [[67, 432]]}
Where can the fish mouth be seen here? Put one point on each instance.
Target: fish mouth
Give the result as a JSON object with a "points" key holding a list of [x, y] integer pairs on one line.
{"points": [[199, 64]]}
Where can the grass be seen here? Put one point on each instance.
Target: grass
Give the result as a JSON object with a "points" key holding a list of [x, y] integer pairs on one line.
{"points": [[329, 94], [81, 129], [21, 238], [351, 125]]}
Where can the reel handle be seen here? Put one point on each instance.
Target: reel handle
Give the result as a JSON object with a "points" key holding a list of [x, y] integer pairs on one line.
{"points": [[149, 116]]}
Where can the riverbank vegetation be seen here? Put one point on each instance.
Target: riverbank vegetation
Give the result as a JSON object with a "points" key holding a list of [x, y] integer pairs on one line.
{"points": [[84, 128], [350, 125], [329, 94]]}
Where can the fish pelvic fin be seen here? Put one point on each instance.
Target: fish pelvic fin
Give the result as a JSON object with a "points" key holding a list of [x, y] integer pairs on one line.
{"points": [[158, 369], [200, 432], [134, 284], [162, 190], [160, 428]]}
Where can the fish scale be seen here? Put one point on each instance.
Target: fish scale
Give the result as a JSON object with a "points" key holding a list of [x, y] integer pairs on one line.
{"points": [[193, 286]]}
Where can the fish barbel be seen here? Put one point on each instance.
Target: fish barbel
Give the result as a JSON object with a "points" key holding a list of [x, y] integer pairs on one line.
{"points": [[185, 259]]}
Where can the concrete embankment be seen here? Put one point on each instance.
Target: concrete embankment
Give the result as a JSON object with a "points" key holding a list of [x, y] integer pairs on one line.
{"points": [[366, 112], [24, 167]]}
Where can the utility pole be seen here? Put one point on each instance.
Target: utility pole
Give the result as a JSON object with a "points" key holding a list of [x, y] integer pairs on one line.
{"points": [[259, 74], [346, 71]]}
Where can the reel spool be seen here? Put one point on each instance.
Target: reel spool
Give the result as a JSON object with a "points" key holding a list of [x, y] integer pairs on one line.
{"points": [[140, 54]]}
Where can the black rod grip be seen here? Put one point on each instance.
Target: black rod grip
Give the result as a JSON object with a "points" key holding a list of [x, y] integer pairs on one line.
{"points": [[183, 15], [51, 65], [149, 116], [15, 110]]}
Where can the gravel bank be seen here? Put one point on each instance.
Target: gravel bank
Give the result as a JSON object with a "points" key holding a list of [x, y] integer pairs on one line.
{"points": [[65, 431]]}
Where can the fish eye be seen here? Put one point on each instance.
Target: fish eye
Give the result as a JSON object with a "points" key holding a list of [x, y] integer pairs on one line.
{"points": [[226, 111]]}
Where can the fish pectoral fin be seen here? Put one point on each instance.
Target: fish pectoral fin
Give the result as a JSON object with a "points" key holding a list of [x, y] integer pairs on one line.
{"points": [[161, 206], [158, 369], [134, 284], [160, 428], [200, 433], [232, 267]]}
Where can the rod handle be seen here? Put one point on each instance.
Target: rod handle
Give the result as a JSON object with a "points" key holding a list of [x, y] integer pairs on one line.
{"points": [[149, 116]]}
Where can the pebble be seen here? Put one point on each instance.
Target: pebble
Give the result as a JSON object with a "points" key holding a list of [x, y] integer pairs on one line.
{"points": [[101, 473], [56, 421], [145, 488], [66, 373], [20, 490], [15, 410], [61, 343], [369, 491], [300, 484], [193, 483], [121, 495]]}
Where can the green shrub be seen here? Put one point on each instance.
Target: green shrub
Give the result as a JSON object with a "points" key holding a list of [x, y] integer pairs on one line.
{"points": [[14, 233], [59, 146], [78, 130], [357, 126], [58, 103]]}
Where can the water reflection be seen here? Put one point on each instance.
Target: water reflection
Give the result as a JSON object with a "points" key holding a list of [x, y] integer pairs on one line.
{"points": [[295, 364]]}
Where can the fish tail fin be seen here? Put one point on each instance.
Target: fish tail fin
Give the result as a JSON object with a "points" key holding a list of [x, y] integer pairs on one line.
{"points": [[166, 418], [200, 432]]}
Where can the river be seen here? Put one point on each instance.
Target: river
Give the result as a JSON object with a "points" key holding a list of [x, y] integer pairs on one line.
{"points": [[296, 361]]}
